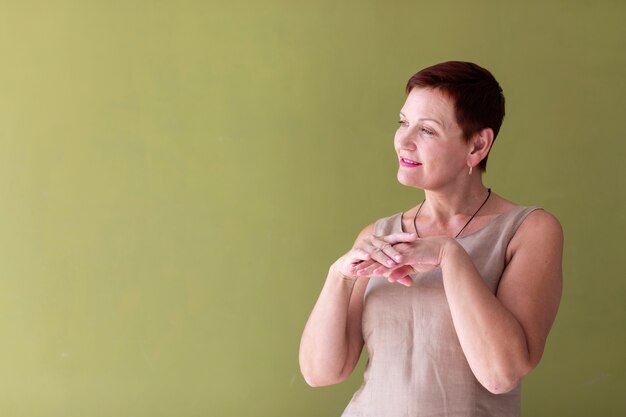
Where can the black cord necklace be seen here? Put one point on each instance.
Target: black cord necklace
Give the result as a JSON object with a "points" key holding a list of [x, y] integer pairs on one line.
{"points": [[463, 228]]}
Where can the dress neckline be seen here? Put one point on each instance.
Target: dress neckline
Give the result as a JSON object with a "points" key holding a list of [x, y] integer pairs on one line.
{"points": [[487, 226]]}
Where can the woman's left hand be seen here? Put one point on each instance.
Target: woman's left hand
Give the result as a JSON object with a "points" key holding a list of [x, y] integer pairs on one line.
{"points": [[421, 255]]}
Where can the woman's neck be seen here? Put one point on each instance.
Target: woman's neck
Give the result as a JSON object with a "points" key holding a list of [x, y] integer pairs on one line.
{"points": [[443, 205]]}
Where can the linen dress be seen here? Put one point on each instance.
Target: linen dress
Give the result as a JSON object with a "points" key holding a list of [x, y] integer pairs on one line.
{"points": [[416, 366]]}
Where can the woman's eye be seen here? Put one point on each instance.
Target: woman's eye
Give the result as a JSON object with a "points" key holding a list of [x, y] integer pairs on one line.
{"points": [[402, 123], [427, 131]]}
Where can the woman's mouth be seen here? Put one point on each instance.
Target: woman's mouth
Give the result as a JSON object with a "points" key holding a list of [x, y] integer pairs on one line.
{"points": [[409, 163]]}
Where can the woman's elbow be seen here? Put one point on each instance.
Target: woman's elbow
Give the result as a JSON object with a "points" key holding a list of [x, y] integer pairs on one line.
{"points": [[321, 380], [501, 386], [317, 382], [503, 382], [319, 376]]}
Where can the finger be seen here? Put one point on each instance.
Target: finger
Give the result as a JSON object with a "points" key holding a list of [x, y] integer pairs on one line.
{"points": [[352, 259], [360, 254], [396, 244], [378, 254], [384, 252], [381, 271], [401, 272], [391, 252], [384, 258], [406, 280], [369, 270], [400, 238], [392, 275], [356, 267]]}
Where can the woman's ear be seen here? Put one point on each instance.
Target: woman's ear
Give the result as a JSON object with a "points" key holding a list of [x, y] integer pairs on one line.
{"points": [[480, 145]]}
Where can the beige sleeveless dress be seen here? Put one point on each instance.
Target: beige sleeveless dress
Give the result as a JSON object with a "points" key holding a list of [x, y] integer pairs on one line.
{"points": [[416, 366]]}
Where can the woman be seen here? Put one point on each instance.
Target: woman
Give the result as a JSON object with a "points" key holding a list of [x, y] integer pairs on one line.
{"points": [[455, 297]]}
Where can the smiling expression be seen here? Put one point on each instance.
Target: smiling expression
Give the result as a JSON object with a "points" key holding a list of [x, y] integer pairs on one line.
{"points": [[431, 149]]}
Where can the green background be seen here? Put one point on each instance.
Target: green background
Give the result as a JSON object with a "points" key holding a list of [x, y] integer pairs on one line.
{"points": [[177, 176]]}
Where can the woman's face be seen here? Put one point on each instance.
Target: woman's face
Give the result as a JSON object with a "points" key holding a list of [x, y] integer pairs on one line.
{"points": [[431, 150]]}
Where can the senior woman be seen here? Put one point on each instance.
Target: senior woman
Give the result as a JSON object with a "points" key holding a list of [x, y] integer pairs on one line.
{"points": [[453, 298]]}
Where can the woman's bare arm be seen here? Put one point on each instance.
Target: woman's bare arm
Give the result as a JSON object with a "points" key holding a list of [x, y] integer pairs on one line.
{"points": [[332, 341], [503, 335]]}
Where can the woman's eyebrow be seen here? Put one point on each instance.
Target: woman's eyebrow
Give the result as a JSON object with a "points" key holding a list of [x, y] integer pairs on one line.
{"points": [[440, 123], [432, 120]]}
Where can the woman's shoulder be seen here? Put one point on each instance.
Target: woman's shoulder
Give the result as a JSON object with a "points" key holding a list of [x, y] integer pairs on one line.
{"points": [[382, 226], [513, 219], [538, 230], [540, 221], [532, 216], [388, 225]]}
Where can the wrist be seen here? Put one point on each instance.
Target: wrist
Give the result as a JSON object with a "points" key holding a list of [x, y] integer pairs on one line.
{"points": [[450, 249], [335, 273]]}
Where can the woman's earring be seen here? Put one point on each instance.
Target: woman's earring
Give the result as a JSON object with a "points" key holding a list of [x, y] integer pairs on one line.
{"points": [[470, 171]]}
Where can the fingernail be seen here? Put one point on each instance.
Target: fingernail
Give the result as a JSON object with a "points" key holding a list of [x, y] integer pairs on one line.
{"points": [[397, 258]]}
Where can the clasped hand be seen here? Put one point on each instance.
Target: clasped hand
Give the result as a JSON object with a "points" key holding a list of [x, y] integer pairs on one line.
{"points": [[395, 256]]}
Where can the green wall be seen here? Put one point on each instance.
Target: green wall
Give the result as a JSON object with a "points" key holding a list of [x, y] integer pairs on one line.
{"points": [[177, 176]]}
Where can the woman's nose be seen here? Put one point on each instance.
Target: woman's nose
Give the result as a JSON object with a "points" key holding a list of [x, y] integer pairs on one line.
{"points": [[405, 140]]}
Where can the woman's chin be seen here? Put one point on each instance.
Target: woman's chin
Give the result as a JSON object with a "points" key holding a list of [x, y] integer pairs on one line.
{"points": [[407, 180]]}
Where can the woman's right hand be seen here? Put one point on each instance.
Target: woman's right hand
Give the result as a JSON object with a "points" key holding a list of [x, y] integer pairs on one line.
{"points": [[372, 250]]}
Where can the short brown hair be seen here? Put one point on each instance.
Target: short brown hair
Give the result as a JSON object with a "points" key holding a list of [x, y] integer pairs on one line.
{"points": [[477, 96]]}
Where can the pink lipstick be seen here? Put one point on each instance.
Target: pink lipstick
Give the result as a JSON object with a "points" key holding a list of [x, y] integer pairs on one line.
{"points": [[409, 163]]}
